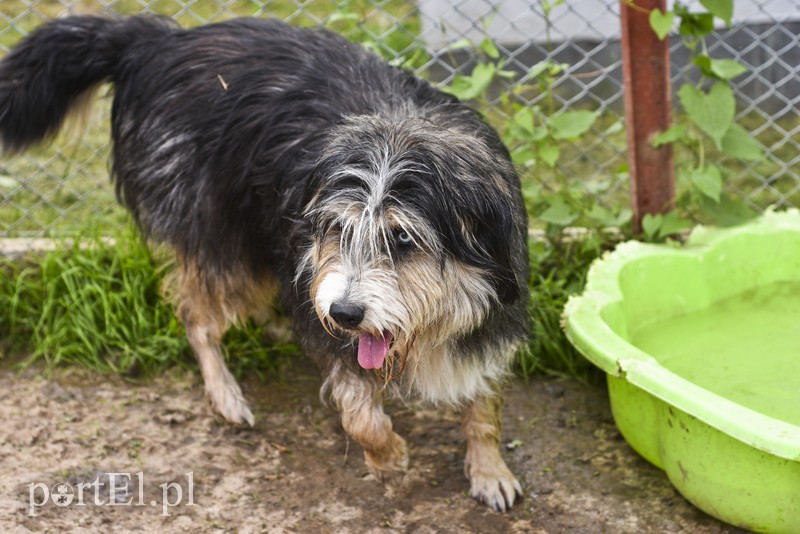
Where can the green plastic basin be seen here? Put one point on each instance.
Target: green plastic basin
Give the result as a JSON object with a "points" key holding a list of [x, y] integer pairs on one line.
{"points": [[701, 346]]}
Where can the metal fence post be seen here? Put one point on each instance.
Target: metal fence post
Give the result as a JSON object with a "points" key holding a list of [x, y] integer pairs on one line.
{"points": [[648, 109]]}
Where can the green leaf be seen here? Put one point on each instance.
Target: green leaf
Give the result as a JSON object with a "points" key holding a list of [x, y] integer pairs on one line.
{"points": [[606, 218], [516, 133], [531, 190], [728, 211], [704, 62], [458, 87], [558, 68], [507, 74], [521, 128], [661, 22], [672, 224], [490, 49], [539, 68], [481, 77], [474, 85], [722, 9], [549, 154], [538, 134], [571, 124], [739, 143], [460, 44], [525, 155], [675, 133], [726, 69], [695, 24], [707, 180], [558, 213], [651, 224], [599, 214], [524, 119], [712, 112], [659, 225], [721, 69], [623, 217]]}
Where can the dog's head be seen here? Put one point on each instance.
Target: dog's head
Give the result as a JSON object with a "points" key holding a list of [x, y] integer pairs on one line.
{"points": [[412, 228]]}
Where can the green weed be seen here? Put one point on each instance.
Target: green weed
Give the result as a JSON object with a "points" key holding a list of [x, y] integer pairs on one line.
{"points": [[99, 305], [558, 270]]}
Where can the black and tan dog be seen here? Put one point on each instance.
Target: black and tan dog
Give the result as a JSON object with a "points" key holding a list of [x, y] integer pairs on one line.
{"points": [[288, 165]]}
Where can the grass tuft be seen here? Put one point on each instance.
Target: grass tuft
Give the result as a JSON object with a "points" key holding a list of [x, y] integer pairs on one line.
{"points": [[99, 306], [558, 270]]}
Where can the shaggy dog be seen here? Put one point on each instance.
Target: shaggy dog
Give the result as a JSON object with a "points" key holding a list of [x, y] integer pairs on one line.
{"points": [[288, 167]]}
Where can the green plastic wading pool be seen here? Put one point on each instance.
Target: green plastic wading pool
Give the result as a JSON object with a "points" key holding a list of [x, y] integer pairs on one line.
{"points": [[701, 346]]}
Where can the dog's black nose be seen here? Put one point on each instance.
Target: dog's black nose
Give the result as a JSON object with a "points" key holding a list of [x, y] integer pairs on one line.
{"points": [[347, 315]]}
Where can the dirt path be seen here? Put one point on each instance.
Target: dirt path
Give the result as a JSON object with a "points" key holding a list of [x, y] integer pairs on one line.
{"points": [[296, 472]]}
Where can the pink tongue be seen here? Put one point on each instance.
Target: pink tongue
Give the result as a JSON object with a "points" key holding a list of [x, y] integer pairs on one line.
{"points": [[372, 350]]}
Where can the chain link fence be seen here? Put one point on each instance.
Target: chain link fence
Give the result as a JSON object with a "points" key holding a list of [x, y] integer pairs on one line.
{"points": [[63, 188]]}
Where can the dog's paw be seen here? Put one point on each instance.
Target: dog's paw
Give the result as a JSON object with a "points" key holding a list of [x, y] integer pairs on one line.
{"points": [[499, 489], [391, 466], [228, 400]]}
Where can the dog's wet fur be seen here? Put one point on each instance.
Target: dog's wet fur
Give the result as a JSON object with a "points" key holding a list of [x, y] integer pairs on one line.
{"points": [[288, 167]]}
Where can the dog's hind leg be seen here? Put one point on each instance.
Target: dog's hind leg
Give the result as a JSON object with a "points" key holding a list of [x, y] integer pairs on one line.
{"points": [[277, 326], [206, 312], [360, 405], [490, 479]]}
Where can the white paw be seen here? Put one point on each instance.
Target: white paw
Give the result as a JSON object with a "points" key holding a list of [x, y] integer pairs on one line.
{"points": [[498, 490], [227, 398]]}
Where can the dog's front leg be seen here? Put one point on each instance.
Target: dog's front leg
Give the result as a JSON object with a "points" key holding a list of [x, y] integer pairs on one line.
{"points": [[490, 479], [360, 404]]}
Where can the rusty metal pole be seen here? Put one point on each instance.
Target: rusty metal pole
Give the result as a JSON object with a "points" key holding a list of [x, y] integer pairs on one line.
{"points": [[648, 110]]}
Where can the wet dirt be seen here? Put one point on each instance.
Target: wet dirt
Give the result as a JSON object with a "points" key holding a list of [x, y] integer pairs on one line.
{"points": [[296, 471]]}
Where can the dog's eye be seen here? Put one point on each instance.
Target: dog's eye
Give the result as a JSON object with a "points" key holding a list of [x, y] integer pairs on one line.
{"points": [[404, 240]]}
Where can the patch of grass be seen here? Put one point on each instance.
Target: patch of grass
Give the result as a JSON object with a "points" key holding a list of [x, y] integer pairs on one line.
{"points": [[558, 270], [99, 306]]}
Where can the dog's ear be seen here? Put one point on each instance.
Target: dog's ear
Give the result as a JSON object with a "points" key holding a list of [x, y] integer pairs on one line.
{"points": [[488, 229], [470, 196]]}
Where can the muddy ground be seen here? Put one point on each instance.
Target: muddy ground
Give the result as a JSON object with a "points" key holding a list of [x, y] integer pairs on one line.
{"points": [[296, 471]]}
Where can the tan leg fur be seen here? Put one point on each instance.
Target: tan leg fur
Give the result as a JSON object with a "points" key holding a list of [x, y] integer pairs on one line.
{"points": [[207, 309], [491, 481], [363, 418]]}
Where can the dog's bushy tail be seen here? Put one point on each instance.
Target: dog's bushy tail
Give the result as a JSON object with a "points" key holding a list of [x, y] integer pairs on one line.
{"points": [[44, 77]]}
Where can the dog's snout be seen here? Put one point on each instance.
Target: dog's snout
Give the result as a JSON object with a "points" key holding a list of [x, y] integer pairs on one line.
{"points": [[346, 314]]}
